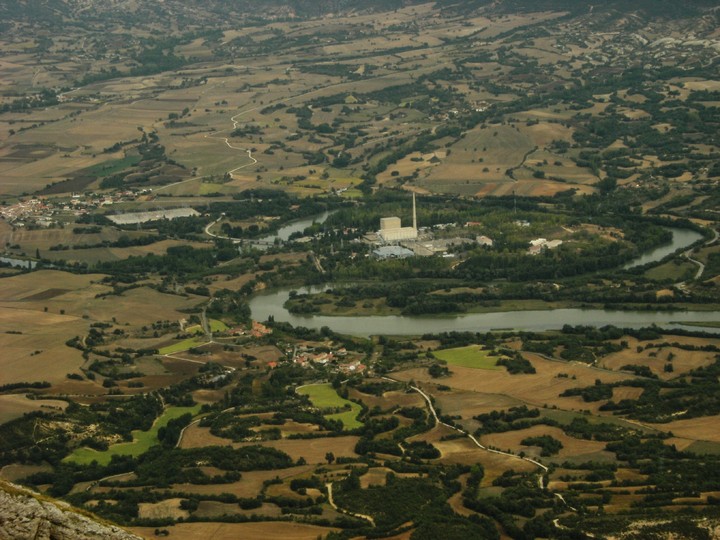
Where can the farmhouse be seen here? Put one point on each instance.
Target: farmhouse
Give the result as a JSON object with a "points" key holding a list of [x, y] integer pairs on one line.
{"points": [[484, 241], [540, 244]]}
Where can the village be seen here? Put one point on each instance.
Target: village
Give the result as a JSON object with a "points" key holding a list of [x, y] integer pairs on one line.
{"points": [[45, 212], [327, 355]]}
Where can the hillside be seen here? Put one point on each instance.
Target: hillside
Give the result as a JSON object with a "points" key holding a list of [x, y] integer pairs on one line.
{"points": [[29, 515]]}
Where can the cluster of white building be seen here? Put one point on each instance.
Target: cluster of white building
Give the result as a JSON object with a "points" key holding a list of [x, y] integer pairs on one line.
{"points": [[401, 242], [538, 245]]}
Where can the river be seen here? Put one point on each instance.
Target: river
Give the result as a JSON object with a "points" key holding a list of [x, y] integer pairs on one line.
{"points": [[284, 233], [681, 238], [271, 303], [24, 263]]}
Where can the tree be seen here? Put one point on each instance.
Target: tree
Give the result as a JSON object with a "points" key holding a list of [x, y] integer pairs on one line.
{"points": [[330, 457]]}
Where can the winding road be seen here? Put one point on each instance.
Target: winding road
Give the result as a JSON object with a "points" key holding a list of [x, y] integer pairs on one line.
{"points": [[342, 510], [682, 285], [541, 484]]}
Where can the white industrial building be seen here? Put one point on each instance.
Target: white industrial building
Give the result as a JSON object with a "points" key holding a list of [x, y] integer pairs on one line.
{"points": [[391, 229]]}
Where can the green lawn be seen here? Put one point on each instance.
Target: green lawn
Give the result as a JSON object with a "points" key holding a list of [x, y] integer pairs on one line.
{"points": [[471, 356], [183, 345], [142, 440], [324, 396], [215, 326]]}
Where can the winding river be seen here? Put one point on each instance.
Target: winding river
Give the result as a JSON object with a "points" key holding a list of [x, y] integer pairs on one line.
{"points": [[271, 303], [283, 233], [268, 304], [681, 238]]}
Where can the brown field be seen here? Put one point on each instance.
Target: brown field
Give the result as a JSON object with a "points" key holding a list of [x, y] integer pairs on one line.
{"points": [[626, 392], [15, 472], [283, 490], [16, 405], [699, 429], [136, 343], [136, 306], [203, 395], [389, 399], [39, 353], [680, 443], [500, 148], [266, 353], [50, 307], [313, 450], [465, 452], [468, 404], [141, 305], [25, 285], [456, 501], [375, 476], [232, 283], [95, 255], [291, 427], [248, 486], [198, 437], [575, 449], [208, 509], [270, 530], [167, 508], [175, 371], [43, 239], [656, 358], [539, 389]]}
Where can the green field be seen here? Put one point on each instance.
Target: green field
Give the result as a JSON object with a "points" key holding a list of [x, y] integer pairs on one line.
{"points": [[704, 447], [471, 356], [215, 326], [112, 166], [141, 443], [324, 396], [183, 345]]}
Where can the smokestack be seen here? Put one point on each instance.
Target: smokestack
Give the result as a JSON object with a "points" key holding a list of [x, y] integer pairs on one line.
{"points": [[414, 213]]}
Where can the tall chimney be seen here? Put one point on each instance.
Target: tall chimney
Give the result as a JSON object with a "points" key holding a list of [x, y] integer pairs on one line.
{"points": [[414, 213]]}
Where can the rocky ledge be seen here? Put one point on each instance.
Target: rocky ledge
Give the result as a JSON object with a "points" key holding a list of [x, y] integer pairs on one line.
{"points": [[25, 514]]}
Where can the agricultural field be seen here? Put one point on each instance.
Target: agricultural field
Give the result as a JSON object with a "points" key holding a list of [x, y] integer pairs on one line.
{"points": [[14, 406], [472, 356], [324, 397], [142, 440], [230, 531]]}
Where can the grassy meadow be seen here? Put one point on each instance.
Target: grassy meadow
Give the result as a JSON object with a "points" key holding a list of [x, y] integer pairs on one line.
{"points": [[324, 396], [472, 356], [141, 443]]}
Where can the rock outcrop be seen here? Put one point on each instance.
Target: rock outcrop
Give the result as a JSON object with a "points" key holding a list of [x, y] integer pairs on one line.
{"points": [[25, 514]]}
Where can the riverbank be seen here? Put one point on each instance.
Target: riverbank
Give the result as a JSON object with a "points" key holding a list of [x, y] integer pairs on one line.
{"points": [[271, 304], [333, 305]]}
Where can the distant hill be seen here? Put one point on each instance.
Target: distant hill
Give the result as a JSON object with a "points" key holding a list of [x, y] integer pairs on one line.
{"points": [[59, 11], [652, 8], [85, 12]]}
